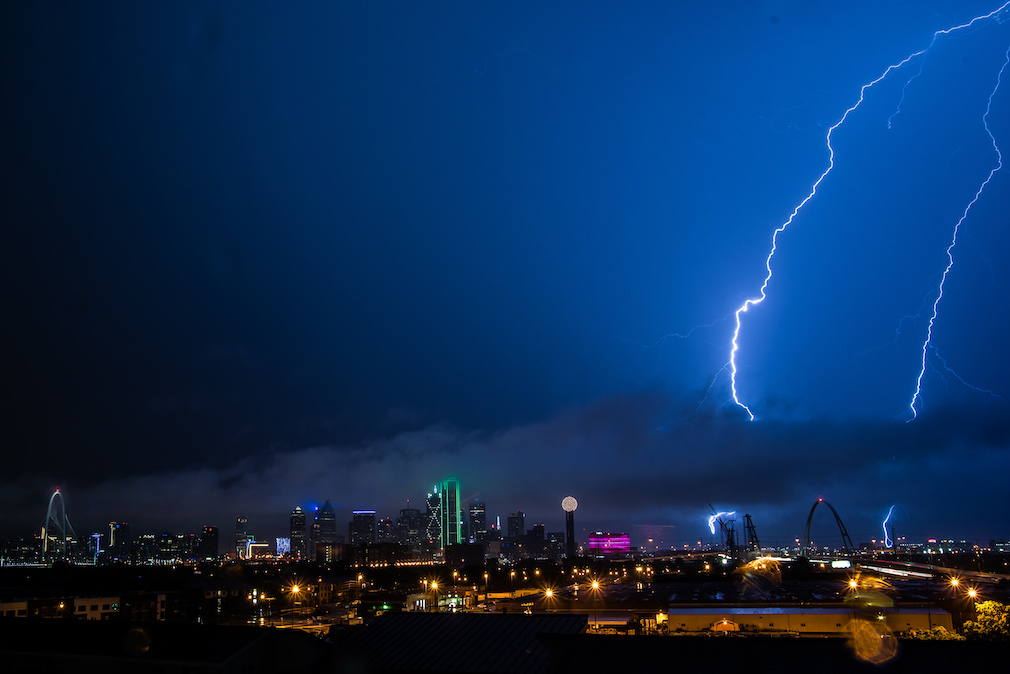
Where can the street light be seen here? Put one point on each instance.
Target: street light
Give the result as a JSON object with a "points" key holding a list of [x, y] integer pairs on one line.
{"points": [[485, 588], [596, 596], [434, 589], [296, 593]]}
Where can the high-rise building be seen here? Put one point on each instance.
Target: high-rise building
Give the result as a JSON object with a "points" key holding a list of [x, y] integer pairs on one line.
{"points": [[206, 548], [362, 527], [385, 531], [536, 541], [118, 546], [327, 520], [411, 528], [478, 521], [516, 525], [297, 529], [241, 535], [452, 533], [555, 544], [434, 517]]}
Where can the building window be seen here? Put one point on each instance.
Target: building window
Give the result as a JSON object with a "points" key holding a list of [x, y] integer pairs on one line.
{"points": [[94, 607], [803, 624], [105, 607]]}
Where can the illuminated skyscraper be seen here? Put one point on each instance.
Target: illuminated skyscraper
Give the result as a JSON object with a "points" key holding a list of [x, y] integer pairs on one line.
{"points": [[434, 516], [327, 520], [516, 525], [478, 521], [385, 531], [411, 528], [297, 530], [118, 546], [452, 515], [362, 528], [241, 535], [207, 545]]}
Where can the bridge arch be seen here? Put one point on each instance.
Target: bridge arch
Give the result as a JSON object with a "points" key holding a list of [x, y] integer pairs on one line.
{"points": [[846, 541], [56, 529]]}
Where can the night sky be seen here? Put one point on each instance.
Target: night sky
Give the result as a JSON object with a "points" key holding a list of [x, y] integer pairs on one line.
{"points": [[259, 257]]}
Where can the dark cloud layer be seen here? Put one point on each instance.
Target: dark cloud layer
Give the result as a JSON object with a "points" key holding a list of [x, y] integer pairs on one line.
{"points": [[944, 472], [259, 256]]}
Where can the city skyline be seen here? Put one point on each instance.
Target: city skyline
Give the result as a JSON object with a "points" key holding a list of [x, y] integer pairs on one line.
{"points": [[320, 525], [658, 258]]}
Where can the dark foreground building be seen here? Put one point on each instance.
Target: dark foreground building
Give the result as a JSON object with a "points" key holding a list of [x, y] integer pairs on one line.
{"points": [[446, 643], [114, 647], [456, 642]]}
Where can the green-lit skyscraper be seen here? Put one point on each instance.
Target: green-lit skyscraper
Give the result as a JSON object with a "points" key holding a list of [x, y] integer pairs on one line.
{"points": [[452, 513]]}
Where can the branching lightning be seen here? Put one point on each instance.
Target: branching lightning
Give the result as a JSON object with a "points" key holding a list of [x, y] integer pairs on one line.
{"points": [[762, 293], [888, 543], [715, 518], [953, 241]]}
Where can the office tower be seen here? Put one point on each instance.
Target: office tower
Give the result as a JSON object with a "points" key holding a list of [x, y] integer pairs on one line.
{"points": [[536, 541], [411, 528], [452, 533], [207, 547], [118, 545], [385, 532], [478, 522], [241, 535], [433, 532], [327, 520], [297, 530], [362, 527], [555, 545], [516, 525]]}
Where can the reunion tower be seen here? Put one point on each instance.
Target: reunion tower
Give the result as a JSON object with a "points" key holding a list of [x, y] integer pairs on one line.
{"points": [[569, 504]]}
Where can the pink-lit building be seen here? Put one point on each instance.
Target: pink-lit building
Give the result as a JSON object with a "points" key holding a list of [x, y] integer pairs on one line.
{"points": [[601, 544]]}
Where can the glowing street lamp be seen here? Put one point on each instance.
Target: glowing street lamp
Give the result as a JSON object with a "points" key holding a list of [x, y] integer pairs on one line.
{"points": [[596, 597], [296, 596]]}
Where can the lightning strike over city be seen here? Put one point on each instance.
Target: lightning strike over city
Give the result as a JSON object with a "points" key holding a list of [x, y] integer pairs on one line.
{"points": [[324, 317], [888, 543], [732, 366], [717, 517]]}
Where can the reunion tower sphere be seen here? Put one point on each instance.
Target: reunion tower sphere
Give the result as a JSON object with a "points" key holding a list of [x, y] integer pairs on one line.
{"points": [[569, 504]]}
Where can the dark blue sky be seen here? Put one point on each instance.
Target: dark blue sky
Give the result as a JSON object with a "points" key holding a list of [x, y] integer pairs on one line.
{"points": [[255, 257]]}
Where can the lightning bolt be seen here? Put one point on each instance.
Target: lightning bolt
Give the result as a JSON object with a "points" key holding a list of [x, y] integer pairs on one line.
{"points": [[762, 292], [888, 543], [946, 367], [953, 242], [715, 518]]}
